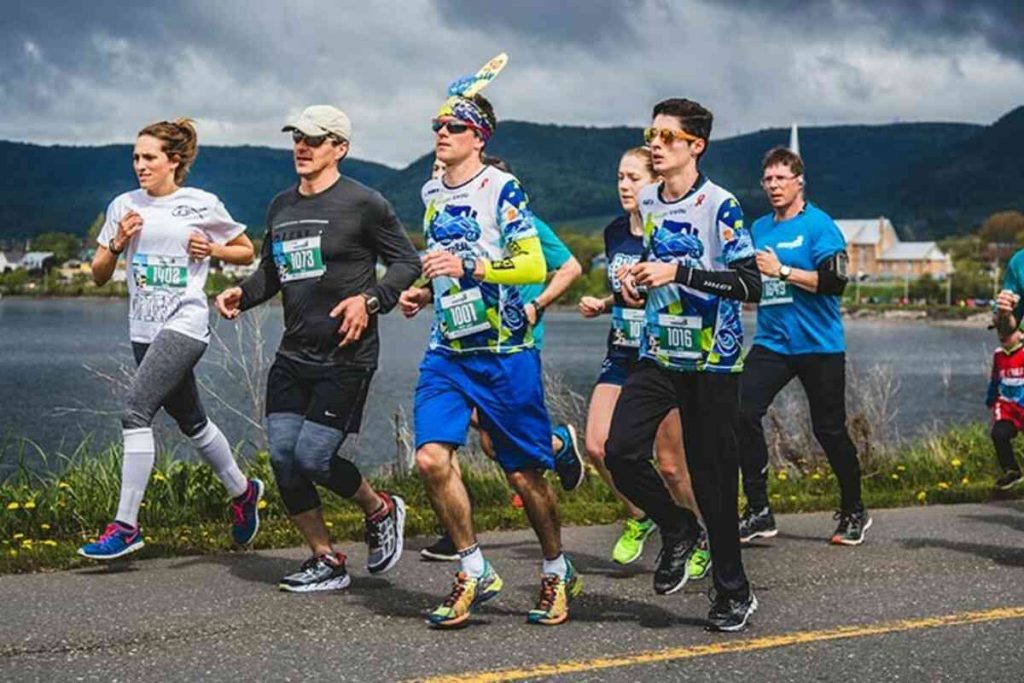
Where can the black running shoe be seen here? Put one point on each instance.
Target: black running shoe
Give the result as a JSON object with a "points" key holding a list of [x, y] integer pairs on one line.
{"points": [[385, 534], [443, 550], [1009, 479], [760, 524], [852, 526], [729, 614], [318, 573], [670, 575], [568, 461]]}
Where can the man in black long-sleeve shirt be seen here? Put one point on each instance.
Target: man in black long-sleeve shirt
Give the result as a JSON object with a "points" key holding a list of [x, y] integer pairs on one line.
{"points": [[324, 237], [698, 265]]}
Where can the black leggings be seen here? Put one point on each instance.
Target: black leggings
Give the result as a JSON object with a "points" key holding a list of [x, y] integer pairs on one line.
{"points": [[823, 376], [709, 406], [1003, 432]]}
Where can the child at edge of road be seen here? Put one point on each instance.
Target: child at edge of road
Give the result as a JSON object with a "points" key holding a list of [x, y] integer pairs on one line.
{"points": [[1006, 399]]}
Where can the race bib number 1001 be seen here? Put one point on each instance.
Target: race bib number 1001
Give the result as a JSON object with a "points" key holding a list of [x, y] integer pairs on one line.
{"points": [[774, 292], [679, 335], [299, 259], [627, 324], [160, 272], [463, 313]]}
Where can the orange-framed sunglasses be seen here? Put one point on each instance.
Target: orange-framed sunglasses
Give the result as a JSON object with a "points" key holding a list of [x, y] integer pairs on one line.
{"points": [[667, 135]]}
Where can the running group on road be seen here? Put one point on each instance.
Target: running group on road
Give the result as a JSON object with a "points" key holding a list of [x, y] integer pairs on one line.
{"points": [[675, 413]]}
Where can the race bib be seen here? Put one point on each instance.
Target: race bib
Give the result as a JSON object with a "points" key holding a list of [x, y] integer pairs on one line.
{"points": [[299, 259], [463, 313], [774, 291], [679, 335], [153, 272], [627, 325]]}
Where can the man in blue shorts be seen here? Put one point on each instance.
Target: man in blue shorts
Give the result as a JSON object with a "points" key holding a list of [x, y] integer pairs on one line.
{"points": [[482, 246], [802, 259]]}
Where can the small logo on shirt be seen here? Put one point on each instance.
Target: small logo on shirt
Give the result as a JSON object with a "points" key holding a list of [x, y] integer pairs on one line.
{"points": [[700, 199], [185, 211], [484, 183], [793, 244], [329, 414]]}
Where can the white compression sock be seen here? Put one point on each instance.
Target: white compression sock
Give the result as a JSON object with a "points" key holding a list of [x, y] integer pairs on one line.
{"points": [[213, 448], [471, 561], [556, 566], [139, 453]]}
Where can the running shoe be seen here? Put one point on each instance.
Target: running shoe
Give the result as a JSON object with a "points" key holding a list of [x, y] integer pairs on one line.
{"points": [[555, 591], [385, 533], [852, 526], [729, 614], [116, 541], [671, 573], [568, 461], [442, 550], [246, 512], [467, 593], [631, 543], [318, 573], [1009, 479], [760, 524], [700, 561]]}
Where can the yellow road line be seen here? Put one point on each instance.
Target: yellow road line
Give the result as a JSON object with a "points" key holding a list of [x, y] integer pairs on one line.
{"points": [[762, 643]]}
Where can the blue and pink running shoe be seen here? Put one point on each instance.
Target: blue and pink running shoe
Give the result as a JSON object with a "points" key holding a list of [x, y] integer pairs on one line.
{"points": [[246, 513], [117, 541]]}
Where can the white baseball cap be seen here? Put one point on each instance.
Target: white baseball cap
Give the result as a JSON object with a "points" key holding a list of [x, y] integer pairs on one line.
{"points": [[320, 119]]}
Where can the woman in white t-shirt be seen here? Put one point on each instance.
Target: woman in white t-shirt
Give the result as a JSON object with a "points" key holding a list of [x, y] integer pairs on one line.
{"points": [[168, 234]]}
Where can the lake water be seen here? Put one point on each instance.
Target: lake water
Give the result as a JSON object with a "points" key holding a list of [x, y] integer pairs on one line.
{"points": [[54, 354]]}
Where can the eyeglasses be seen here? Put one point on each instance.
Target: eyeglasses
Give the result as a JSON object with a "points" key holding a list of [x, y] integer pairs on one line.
{"points": [[454, 127], [313, 140], [667, 135], [776, 180]]}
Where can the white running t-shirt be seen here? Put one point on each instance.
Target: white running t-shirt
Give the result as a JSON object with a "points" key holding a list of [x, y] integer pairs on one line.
{"points": [[165, 286]]}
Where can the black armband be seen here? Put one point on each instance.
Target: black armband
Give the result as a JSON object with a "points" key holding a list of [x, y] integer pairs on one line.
{"points": [[833, 275], [742, 281]]}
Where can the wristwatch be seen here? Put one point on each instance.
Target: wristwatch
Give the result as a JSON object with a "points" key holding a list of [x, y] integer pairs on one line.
{"points": [[110, 246], [784, 272], [469, 267], [372, 303], [539, 308]]}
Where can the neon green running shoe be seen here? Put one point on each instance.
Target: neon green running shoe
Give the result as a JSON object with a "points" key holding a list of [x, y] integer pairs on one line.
{"points": [[631, 543], [467, 593], [699, 564]]}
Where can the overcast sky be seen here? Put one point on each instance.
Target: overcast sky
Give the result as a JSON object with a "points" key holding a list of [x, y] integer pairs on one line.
{"points": [[94, 72]]}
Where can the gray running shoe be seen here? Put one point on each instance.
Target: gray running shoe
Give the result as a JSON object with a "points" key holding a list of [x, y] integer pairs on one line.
{"points": [[385, 535], [318, 573]]}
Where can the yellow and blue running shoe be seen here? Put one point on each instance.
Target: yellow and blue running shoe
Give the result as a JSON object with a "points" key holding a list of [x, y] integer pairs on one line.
{"points": [[555, 591], [467, 592]]}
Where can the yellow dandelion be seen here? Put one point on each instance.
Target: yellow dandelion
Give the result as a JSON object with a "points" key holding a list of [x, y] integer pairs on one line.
{"points": [[44, 527], [159, 477], [15, 537], [30, 505], [782, 476], [792, 498], [13, 506], [901, 468], [965, 481], [64, 485], [12, 553], [50, 542], [147, 539], [895, 476], [955, 462], [27, 543], [816, 476], [776, 496], [262, 505], [922, 496], [943, 486], [329, 525]]}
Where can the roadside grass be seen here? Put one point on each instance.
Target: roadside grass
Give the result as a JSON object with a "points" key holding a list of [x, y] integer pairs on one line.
{"points": [[47, 511]]}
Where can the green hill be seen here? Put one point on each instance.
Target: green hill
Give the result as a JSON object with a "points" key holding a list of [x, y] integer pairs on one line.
{"points": [[932, 179]]}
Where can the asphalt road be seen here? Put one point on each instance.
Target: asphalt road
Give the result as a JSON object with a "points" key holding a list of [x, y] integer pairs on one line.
{"points": [[935, 594]]}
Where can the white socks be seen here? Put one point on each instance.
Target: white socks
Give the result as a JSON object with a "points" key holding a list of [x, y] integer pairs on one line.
{"points": [[139, 452], [556, 566], [472, 561], [213, 448]]}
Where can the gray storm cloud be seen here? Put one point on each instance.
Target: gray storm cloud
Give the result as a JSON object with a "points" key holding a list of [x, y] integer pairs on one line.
{"points": [[95, 72]]}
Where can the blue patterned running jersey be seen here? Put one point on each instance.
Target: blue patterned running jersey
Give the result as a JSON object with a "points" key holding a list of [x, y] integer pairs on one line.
{"points": [[482, 218], [685, 329]]}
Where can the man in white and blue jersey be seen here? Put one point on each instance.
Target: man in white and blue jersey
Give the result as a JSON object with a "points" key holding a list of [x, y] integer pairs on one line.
{"points": [[698, 266], [803, 263]]}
